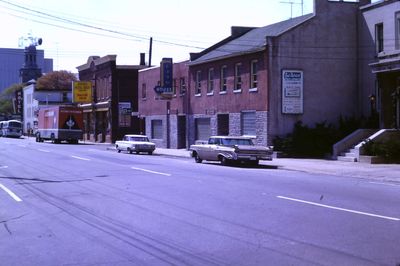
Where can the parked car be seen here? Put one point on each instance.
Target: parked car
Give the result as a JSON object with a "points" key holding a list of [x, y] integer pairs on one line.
{"points": [[228, 149], [135, 143]]}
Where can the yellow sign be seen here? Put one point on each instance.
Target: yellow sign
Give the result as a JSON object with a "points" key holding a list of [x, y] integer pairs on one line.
{"points": [[82, 92]]}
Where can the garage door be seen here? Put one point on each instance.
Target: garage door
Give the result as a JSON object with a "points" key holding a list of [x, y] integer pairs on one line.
{"points": [[249, 123], [203, 129]]}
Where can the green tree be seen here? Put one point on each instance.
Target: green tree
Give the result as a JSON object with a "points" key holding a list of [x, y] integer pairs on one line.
{"points": [[6, 99], [56, 80]]}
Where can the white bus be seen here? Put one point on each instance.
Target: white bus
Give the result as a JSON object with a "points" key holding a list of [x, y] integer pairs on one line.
{"points": [[11, 128]]}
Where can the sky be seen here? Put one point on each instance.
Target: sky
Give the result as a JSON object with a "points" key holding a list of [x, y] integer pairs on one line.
{"points": [[74, 30]]}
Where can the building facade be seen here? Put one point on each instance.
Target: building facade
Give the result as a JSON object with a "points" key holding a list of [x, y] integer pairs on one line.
{"points": [[12, 60], [259, 82], [34, 98], [381, 39], [113, 110], [164, 119]]}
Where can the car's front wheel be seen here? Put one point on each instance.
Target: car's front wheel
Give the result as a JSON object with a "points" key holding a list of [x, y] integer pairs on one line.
{"points": [[225, 161]]}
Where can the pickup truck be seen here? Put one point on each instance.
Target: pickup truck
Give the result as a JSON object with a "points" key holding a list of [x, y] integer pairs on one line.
{"points": [[135, 143], [228, 149]]}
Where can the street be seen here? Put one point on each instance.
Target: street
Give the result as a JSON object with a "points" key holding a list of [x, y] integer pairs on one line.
{"points": [[64, 204]]}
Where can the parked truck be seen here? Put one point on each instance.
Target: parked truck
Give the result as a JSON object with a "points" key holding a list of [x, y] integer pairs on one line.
{"points": [[60, 123]]}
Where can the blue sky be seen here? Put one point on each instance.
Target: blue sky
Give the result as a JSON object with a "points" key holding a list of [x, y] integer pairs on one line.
{"points": [[74, 30]]}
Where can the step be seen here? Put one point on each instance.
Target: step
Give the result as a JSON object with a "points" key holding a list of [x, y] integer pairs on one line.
{"points": [[347, 159]]}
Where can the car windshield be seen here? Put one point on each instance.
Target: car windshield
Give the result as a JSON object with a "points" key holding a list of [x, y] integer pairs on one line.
{"points": [[138, 139], [236, 142]]}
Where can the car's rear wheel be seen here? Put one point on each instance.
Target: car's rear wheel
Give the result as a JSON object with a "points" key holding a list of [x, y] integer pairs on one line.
{"points": [[197, 158]]}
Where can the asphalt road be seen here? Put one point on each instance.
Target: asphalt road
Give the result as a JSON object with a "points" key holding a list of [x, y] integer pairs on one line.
{"points": [[66, 204]]}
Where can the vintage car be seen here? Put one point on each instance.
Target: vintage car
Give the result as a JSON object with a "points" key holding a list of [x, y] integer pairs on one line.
{"points": [[135, 143], [228, 149]]}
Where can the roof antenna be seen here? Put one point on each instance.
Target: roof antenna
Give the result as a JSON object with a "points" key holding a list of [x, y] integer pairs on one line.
{"points": [[291, 3]]}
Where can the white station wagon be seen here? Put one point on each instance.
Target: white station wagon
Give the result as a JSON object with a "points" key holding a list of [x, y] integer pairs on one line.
{"points": [[135, 143]]}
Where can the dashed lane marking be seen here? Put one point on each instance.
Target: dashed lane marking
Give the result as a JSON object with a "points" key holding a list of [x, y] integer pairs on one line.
{"points": [[340, 209], [80, 158], [149, 171], [9, 192], [43, 150]]}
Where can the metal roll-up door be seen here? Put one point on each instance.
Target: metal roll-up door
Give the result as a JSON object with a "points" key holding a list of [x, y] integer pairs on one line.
{"points": [[203, 129], [249, 123]]}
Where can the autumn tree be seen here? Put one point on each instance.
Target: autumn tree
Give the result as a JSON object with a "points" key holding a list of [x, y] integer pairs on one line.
{"points": [[6, 98], [56, 80]]}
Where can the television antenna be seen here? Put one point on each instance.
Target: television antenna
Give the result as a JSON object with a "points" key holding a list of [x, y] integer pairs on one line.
{"points": [[291, 3]]}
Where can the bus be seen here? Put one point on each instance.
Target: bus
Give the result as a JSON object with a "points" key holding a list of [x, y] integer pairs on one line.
{"points": [[11, 128]]}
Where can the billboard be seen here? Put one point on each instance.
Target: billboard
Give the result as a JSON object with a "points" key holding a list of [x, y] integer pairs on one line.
{"points": [[292, 91], [81, 92]]}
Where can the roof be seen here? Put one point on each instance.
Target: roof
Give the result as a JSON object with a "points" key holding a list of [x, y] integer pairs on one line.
{"points": [[231, 137], [252, 41]]}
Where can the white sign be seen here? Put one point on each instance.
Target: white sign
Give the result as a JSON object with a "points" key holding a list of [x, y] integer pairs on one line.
{"points": [[292, 91]]}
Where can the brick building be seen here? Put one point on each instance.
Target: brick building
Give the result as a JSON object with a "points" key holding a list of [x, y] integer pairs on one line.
{"points": [[115, 99], [261, 81], [164, 120]]}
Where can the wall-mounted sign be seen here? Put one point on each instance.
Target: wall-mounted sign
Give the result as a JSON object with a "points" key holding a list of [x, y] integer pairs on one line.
{"points": [[292, 91], [82, 92], [19, 101], [165, 90]]}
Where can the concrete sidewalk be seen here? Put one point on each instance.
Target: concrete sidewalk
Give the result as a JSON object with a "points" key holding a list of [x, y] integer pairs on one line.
{"points": [[379, 172]]}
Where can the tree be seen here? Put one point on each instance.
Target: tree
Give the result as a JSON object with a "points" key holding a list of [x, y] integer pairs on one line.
{"points": [[6, 98], [56, 80]]}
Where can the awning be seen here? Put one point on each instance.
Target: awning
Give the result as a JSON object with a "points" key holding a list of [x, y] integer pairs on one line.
{"points": [[386, 64]]}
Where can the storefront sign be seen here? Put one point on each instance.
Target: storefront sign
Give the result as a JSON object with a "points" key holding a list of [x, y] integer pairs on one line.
{"points": [[292, 91], [82, 92]]}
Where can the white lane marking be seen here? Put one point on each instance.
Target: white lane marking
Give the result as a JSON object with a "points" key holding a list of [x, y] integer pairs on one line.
{"points": [[43, 150], [23, 146], [80, 158], [340, 209], [385, 184], [149, 171], [3, 167], [15, 197]]}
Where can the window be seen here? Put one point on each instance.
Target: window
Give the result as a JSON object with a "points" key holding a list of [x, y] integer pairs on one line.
{"points": [[182, 86], [223, 86], [156, 129], [210, 86], [238, 77], [198, 83], [144, 96], [174, 88], [397, 29], [253, 78], [379, 37]]}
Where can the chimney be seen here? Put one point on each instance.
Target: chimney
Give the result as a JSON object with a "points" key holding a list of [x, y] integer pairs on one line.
{"points": [[142, 59]]}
